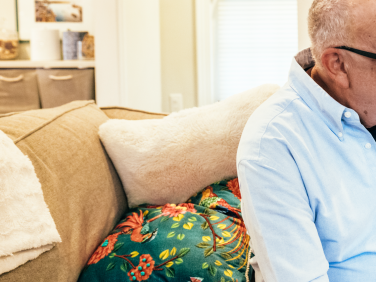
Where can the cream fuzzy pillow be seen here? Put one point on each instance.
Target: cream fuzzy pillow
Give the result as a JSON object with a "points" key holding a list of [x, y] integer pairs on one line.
{"points": [[168, 160]]}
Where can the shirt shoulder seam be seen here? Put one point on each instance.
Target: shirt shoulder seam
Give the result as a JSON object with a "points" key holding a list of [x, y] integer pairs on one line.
{"points": [[266, 127]]}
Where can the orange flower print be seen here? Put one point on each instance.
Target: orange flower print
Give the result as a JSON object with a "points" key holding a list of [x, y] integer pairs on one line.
{"points": [[190, 207], [233, 185], [173, 210], [104, 249], [133, 225], [143, 270]]}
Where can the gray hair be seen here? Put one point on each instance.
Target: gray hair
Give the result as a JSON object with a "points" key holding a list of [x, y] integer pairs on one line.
{"points": [[329, 25]]}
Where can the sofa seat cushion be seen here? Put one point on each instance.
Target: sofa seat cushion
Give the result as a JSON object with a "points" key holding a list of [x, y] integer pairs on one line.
{"points": [[79, 183], [203, 240]]}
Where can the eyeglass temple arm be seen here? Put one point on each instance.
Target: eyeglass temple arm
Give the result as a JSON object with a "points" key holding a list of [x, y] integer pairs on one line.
{"points": [[357, 51]]}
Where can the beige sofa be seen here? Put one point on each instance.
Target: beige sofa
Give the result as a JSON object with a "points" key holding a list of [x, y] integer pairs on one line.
{"points": [[80, 184]]}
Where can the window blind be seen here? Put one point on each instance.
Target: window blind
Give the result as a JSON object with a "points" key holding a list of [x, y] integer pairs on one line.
{"points": [[254, 43]]}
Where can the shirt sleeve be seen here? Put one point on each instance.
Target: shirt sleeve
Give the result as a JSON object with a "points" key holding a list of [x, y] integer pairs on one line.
{"points": [[280, 221]]}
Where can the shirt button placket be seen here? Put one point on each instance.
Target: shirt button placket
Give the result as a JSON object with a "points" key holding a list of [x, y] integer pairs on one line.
{"points": [[368, 146]]}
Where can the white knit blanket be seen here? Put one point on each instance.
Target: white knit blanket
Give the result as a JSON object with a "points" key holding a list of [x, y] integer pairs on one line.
{"points": [[26, 226]]}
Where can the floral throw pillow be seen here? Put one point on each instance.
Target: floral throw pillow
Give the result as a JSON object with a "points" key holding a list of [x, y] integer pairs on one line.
{"points": [[223, 196], [202, 240]]}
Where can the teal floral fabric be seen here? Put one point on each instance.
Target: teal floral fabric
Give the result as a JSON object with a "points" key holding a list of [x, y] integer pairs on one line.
{"points": [[203, 239], [223, 196]]}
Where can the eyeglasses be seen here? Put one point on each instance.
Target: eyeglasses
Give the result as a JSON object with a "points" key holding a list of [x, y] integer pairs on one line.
{"points": [[359, 52]]}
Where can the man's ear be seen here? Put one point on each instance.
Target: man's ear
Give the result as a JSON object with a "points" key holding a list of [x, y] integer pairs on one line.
{"points": [[333, 62]]}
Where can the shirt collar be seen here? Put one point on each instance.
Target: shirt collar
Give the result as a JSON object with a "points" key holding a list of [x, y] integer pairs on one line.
{"points": [[315, 97]]}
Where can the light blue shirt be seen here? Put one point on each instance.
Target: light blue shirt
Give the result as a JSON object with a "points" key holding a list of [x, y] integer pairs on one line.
{"points": [[307, 173]]}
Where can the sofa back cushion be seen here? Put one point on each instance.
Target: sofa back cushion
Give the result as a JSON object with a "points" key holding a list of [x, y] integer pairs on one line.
{"points": [[130, 114], [80, 185]]}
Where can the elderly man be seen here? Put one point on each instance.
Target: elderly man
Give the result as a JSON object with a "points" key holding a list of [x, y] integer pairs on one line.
{"points": [[307, 157]]}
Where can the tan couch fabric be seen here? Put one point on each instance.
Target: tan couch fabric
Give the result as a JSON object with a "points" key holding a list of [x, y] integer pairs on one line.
{"points": [[80, 184], [130, 114]]}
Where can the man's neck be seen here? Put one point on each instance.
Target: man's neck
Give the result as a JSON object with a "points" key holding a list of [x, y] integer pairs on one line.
{"points": [[345, 100]]}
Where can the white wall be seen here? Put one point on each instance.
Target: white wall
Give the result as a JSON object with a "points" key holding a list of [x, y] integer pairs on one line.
{"points": [[178, 51], [8, 14], [141, 50], [128, 54], [157, 55], [107, 77], [303, 8]]}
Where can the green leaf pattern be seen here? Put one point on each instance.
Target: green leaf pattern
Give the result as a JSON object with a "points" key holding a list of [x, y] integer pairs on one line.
{"points": [[171, 234]]}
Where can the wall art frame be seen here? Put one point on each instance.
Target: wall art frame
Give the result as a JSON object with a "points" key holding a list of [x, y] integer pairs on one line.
{"points": [[29, 16]]}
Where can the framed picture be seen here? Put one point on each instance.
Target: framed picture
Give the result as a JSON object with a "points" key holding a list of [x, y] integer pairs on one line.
{"points": [[74, 15]]}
